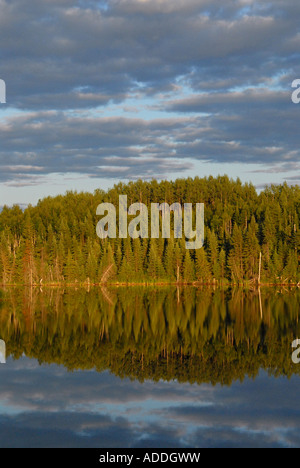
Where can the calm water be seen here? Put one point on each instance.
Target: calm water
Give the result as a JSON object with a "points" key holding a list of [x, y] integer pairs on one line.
{"points": [[164, 367]]}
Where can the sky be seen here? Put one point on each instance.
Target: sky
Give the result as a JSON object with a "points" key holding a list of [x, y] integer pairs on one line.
{"points": [[103, 91]]}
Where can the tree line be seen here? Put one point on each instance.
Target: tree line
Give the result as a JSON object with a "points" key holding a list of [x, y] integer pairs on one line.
{"points": [[249, 237]]}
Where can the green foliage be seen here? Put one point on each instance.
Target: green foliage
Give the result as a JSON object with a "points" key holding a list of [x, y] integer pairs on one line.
{"points": [[56, 242]]}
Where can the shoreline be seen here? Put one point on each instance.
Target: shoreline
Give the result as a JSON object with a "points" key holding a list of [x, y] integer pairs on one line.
{"points": [[249, 284]]}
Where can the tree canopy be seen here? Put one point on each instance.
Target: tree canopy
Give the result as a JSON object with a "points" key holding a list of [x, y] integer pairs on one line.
{"points": [[56, 242]]}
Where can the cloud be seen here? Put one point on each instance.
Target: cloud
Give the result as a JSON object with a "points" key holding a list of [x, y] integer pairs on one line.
{"points": [[254, 127], [222, 71], [89, 56], [37, 144]]}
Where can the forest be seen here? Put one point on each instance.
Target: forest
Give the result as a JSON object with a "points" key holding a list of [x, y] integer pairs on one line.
{"points": [[250, 237]]}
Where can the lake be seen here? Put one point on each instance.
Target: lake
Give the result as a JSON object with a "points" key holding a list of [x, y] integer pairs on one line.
{"points": [[153, 367]]}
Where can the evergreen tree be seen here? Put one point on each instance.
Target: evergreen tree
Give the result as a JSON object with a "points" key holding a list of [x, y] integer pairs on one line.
{"points": [[188, 268], [203, 270], [56, 240], [235, 260]]}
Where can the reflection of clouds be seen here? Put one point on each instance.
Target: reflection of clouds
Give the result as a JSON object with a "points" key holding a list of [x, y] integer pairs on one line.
{"points": [[48, 406], [63, 429]]}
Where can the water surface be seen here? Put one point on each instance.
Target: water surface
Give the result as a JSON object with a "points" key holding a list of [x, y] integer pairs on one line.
{"points": [[149, 367]]}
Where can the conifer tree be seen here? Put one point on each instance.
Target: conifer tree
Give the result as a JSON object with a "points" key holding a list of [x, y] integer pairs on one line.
{"points": [[235, 261], [188, 268], [203, 271]]}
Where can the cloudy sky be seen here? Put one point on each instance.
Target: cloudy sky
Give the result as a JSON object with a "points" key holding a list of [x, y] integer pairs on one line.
{"points": [[102, 91]]}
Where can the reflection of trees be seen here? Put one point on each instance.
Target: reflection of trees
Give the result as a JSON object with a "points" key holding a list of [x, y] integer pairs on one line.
{"points": [[196, 335]]}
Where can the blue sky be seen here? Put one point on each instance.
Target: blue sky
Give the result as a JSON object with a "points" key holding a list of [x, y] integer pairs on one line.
{"points": [[99, 92]]}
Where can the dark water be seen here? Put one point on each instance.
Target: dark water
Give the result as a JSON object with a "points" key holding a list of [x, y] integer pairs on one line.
{"points": [[161, 367]]}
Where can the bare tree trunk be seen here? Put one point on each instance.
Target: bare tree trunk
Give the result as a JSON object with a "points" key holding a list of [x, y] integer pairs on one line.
{"points": [[259, 268]]}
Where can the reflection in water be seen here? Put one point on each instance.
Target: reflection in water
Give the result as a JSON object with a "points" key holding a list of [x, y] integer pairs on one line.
{"points": [[192, 335], [164, 343]]}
